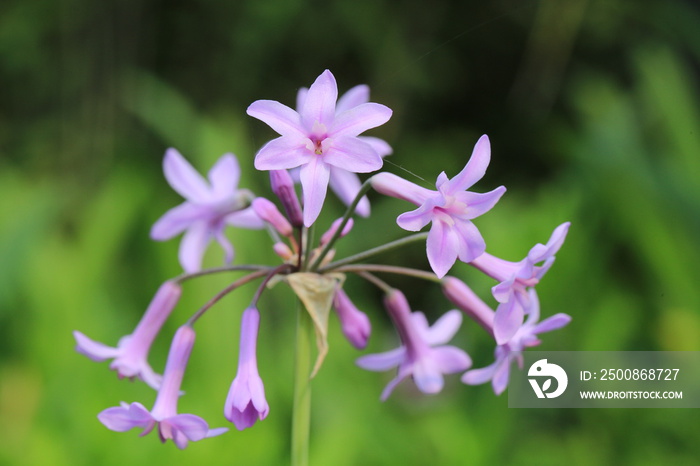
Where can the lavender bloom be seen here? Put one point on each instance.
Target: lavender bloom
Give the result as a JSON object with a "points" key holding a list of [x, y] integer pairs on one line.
{"points": [[419, 355], [354, 323], [347, 184], [207, 209], [181, 428], [450, 209], [317, 138], [516, 279], [268, 211], [246, 403], [525, 337], [130, 357]]}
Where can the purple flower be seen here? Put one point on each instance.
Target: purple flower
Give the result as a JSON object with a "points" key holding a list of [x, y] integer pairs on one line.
{"points": [[354, 323], [343, 183], [525, 337], [181, 428], [246, 403], [317, 138], [419, 355], [450, 209], [208, 208], [131, 354], [516, 279]]}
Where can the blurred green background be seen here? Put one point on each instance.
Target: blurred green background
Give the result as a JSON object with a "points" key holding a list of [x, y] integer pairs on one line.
{"points": [[593, 111]]}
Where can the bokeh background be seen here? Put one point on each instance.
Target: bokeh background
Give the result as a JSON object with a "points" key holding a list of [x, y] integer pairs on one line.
{"points": [[593, 111]]}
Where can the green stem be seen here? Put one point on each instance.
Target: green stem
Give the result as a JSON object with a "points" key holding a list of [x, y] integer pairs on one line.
{"points": [[390, 269], [366, 186], [378, 250], [301, 411]]}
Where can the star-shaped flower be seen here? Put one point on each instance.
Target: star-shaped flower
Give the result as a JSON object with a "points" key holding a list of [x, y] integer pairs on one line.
{"points": [[207, 210], [450, 209], [525, 337], [130, 357], [423, 353], [181, 428], [343, 183], [517, 278], [317, 138]]}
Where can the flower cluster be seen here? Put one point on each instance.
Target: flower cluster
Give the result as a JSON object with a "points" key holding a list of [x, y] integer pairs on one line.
{"points": [[320, 144]]}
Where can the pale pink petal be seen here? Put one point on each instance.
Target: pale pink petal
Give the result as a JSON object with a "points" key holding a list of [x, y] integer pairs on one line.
{"points": [[319, 104], [508, 319], [382, 361], [475, 168], [245, 218], [279, 117], [478, 203], [471, 243], [501, 376], [380, 146], [445, 328], [184, 178], [416, 219], [352, 98], [282, 153], [450, 359], [301, 97], [314, 181], [542, 252], [192, 247], [224, 176], [193, 427], [121, 419], [442, 247], [395, 186], [479, 376], [359, 119], [554, 322], [353, 155], [177, 220], [427, 376], [92, 349]]}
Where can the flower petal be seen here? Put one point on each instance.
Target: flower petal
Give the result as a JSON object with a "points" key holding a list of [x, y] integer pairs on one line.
{"points": [[282, 153], [121, 419], [508, 319], [93, 349], [382, 361], [501, 376], [319, 104], [359, 119], [193, 427], [193, 245], [395, 186], [351, 154], [277, 116], [224, 176], [475, 168], [442, 247], [246, 218], [176, 220], [380, 146], [444, 328], [480, 203], [416, 219], [479, 376], [471, 243], [314, 181], [352, 98], [450, 359], [184, 178], [552, 323]]}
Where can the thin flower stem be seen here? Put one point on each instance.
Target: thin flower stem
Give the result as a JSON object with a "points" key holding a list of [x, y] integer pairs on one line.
{"points": [[389, 269], [229, 268], [301, 411], [381, 284], [240, 282], [366, 186], [374, 251]]}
